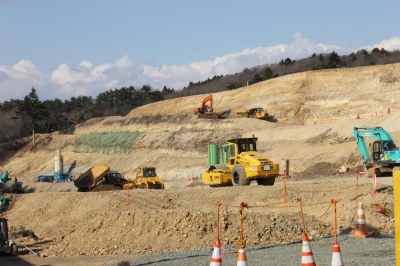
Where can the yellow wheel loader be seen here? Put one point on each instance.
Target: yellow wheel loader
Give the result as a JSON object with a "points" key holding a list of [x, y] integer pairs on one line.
{"points": [[147, 178], [258, 113], [242, 164]]}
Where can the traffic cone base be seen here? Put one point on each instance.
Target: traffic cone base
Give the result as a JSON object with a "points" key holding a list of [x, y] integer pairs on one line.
{"points": [[241, 258], [216, 258], [337, 259], [307, 257]]}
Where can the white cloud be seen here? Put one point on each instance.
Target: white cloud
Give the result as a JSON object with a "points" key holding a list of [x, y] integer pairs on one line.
{"points": [[389, 45], [179, 75], [17, 80], [88, 79]]}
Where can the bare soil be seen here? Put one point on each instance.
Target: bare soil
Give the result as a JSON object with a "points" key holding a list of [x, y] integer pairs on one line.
{"points": [[315, 111]]}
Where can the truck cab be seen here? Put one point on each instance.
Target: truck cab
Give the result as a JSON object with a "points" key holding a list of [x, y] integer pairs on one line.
{"points": [[238, 146], [248, 164], [380, 147]]}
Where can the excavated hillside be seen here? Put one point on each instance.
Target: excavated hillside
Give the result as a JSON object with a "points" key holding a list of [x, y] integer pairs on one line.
{"points": [[315, 112]]}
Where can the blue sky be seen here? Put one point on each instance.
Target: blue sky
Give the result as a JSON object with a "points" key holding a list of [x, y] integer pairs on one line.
{"points": [[82, 47]]}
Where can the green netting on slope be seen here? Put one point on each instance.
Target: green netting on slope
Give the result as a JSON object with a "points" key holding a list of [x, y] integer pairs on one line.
{"points": [[106, 142]]}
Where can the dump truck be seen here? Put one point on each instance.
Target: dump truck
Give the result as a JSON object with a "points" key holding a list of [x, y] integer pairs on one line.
{"points": [[146, 177], [242, 163], [99, 175]]}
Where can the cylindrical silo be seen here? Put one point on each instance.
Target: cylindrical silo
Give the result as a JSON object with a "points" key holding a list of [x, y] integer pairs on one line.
{"points": [[58, 166]]}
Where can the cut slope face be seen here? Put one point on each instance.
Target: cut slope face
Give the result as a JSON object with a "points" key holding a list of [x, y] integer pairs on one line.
{"points": [[336, 93], [315, 110]]}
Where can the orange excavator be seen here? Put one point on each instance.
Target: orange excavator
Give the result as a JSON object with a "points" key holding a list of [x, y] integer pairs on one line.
{"points": [[203, 109], [207, 112]]}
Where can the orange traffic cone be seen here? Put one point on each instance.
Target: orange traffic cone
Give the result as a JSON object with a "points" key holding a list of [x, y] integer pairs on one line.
{"points": [[358, 116], [241, 258], [337, 259], [216, 258], [360, 230], [307, 258]]}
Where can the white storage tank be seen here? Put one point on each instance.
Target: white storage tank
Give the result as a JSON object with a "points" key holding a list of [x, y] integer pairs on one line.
{"points": [[58, 166]]}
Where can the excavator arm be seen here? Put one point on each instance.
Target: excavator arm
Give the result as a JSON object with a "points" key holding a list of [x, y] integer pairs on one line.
{"points": [[203, 107]]}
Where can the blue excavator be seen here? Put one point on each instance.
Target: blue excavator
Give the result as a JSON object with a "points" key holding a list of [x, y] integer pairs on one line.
{"points": [[384, 154]]}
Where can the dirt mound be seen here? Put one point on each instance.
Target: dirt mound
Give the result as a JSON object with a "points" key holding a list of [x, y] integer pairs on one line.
{"points": [[320, 169], [100, 223]]}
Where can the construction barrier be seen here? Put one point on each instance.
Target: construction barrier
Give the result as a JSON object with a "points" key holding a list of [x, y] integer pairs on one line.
{"points": [[216, 257], [307, 254]]}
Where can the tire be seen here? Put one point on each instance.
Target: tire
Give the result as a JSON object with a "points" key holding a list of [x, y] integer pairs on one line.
{"points": [[14, 249], [378, 172], [266, 181], [239, 177]]}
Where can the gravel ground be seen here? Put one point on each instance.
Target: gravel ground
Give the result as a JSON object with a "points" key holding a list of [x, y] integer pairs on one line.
{"points": [[370, 251]]}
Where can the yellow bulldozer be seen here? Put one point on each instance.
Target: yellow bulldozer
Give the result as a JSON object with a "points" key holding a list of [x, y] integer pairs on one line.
{"points": [[257, 112], [147, 178], [242, 164]]}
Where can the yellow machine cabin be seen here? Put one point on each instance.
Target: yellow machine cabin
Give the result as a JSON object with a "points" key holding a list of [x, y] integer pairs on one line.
{"points": [[147, 178], [242, 164]]}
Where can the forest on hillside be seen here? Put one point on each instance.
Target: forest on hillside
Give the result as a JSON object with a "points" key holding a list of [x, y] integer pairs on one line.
{"points": [[20, 117], [288, 66]]}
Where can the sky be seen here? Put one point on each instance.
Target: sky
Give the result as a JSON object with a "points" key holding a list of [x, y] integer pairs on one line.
{"points": [[68, 48]]}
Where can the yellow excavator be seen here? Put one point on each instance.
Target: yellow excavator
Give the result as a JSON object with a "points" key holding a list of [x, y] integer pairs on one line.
{"points": [[257, 112], [147, 178], [242, 164]]}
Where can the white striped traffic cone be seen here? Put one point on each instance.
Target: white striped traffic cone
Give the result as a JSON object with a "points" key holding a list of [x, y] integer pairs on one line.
{"points": [[241, 258], [307, 258], [216, 258], [337, 259], [360, 230]]}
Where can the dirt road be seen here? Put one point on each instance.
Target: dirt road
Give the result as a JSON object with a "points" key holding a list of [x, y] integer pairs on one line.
{"points": [[379, 250]]}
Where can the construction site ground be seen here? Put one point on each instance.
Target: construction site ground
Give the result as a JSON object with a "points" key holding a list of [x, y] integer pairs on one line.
{"points": [[315, 111]]}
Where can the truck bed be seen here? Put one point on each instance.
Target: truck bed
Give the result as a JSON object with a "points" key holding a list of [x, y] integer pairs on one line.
{"points": [[92, 176]]}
